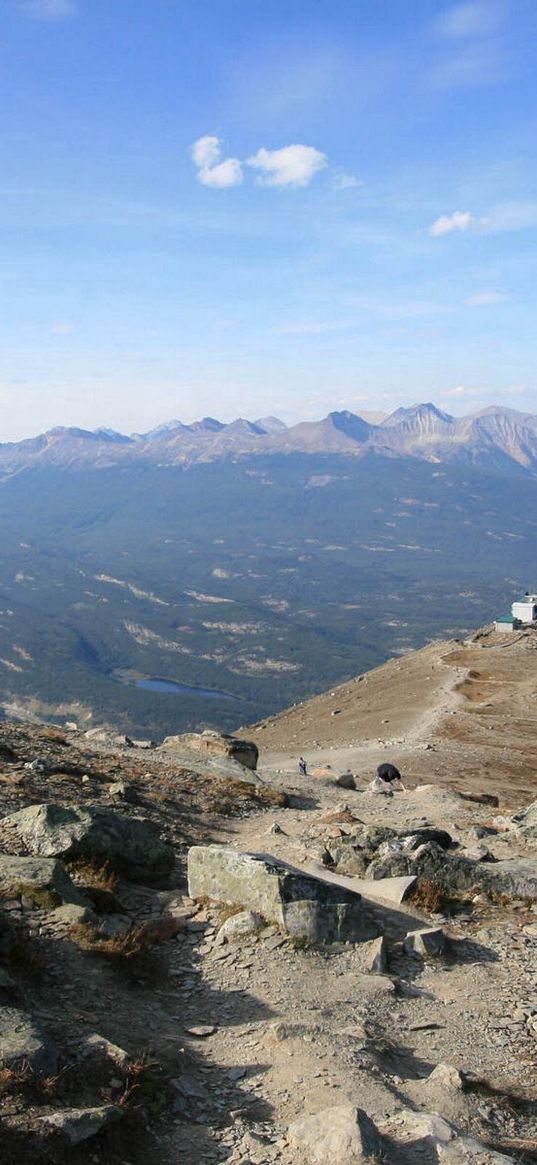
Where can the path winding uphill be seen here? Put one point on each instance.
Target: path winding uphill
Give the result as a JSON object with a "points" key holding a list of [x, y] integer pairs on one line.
{"points": [[460, 713]]}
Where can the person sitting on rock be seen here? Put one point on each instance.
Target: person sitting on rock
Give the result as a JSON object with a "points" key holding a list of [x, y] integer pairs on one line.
{"points": [[387, 781], [302, 766]]}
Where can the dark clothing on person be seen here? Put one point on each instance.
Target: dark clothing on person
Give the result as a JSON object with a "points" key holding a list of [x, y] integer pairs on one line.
{"points": [[302, 767], [389, 773]]}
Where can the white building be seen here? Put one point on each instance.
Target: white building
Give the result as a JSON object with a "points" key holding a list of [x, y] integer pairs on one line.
{"points": [[525, 610]]}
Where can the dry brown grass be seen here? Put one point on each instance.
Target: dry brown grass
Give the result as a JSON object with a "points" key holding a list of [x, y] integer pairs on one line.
{"points": [[99, 881], [30, 1086], [341, 816], [46, 899], [428, 896], [226, 797], [98, 875], [227, 910]]}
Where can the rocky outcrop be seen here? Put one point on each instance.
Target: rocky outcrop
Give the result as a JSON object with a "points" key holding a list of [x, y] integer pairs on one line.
{"points": [[343, 1134], [514, 878], [24, 1044], [210, 744], [303, 906], [95, 833], [41, 880]]}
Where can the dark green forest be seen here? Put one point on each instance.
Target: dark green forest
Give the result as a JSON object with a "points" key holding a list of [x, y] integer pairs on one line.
{"points": [[266, 579]]}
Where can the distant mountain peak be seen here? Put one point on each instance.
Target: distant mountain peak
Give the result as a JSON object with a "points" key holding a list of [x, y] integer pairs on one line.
{"points": [[350, 424], [425, 418], [270, 425]]}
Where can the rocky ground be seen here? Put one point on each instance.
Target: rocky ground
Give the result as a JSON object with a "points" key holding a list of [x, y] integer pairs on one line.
{"points": [[184, 1035]]}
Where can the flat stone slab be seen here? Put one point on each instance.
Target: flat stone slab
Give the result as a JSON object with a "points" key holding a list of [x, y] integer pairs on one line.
{"points": [[24, 1044], [302, 905], [392, 890]]}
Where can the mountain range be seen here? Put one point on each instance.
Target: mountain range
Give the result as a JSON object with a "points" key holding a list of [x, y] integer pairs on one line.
{"points": [[496, 437]]}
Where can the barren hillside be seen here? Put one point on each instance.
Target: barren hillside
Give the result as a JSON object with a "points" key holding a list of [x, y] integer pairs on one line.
{"points": [[462, 714]]}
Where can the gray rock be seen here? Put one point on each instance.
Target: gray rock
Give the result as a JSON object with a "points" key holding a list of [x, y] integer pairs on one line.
{"points": [[447, 1078], [346, 781], [301, 905], [344, 1135], [115, 925], [122, 791], [429, 942], [44, 880], [97, 1047], [372, 956], [240, 925], [214, 744], [129, 843], [79, 1124], [73, 915], [22, 1042], [467, 1151], [425, 1126]]}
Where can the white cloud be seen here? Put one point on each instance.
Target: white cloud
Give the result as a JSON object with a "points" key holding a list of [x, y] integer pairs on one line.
{"points": [[511, 216], [291, 166], [474, 19], [206, 151], [486, 298], [460, 220], [228, 173], [346, 182], [49, 9], [206, 154]]}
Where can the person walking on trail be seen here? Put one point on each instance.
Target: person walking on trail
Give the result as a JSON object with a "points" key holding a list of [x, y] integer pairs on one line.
{"points": [[302, 766], [388, 780]]}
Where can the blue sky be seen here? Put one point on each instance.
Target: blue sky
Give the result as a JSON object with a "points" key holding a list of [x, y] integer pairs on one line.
{"points": [[243, 207]]}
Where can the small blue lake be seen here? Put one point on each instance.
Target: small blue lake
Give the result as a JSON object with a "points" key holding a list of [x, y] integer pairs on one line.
{"points": [[156, 685]]}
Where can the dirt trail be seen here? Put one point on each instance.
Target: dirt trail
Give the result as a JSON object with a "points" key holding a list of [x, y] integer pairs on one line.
{"points": [[301, 1030]]}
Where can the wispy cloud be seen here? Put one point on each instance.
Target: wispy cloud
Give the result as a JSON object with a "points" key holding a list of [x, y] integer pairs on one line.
{"points": [[291, 166], [342, 181], [510, 216], [212, 170], [486, 298], [460, 220], [304, 328], [475, 19], [461, 390], [48, 10], [473, 47]]}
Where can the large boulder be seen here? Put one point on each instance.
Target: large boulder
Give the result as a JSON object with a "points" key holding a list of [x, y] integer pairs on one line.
{"points": [[303, 906], [214, 744], [130, 844], [43, 880], [23, 1043], [343, 1134]]}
